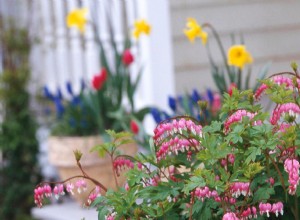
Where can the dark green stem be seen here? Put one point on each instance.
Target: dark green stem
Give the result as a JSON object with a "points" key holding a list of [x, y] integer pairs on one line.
{"points": [[239, 82], [216, 35], [191, 208], [296, 208], [278, 171], [268, 167]]}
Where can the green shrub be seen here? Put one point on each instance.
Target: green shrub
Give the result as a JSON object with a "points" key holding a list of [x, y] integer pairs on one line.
{"points": [[18, 168]]}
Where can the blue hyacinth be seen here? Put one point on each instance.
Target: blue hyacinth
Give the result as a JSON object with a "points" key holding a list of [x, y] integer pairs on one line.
{"points": [[210, 96], [75, 101], [156, 115], [59, 107], [69, 88], [172, 103], [195, 96], [48, 94], [59, 94]]}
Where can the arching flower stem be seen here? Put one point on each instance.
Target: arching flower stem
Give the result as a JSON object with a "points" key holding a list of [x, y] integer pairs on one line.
{"points": [[278, 171]]}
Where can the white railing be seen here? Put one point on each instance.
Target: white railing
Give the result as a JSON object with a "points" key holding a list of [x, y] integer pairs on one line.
{"points": [[69, 55], [61, 54]]}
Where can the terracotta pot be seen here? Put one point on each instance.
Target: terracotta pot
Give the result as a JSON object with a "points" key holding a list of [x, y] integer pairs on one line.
{"points": [[61, 155]]}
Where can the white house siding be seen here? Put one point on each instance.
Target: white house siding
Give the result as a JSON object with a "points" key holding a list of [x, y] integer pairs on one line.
{"points": [[271, 30]]}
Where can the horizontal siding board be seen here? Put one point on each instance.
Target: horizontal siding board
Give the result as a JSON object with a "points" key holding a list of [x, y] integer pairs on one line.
{"points": [[187, 4], [240, 17]]}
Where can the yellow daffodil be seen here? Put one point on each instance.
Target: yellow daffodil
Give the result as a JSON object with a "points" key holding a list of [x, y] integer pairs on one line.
{"points": [[77, 18], [141, 26], [204, 37], [238, 56], [194, 30]]}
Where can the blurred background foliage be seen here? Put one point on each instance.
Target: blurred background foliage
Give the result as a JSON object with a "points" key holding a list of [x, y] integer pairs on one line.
{"points": [[19, 172]]}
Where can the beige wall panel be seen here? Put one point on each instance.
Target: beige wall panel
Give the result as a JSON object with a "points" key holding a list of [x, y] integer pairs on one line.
{"points": [[175, 4], [240, 17]]}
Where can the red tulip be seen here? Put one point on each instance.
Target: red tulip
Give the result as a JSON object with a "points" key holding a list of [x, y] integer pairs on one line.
{"points": [[98, 80], [134, 127], [232, 85], [127, 57]]}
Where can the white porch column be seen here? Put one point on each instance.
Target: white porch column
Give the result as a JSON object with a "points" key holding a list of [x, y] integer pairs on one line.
{"points": [[156, 54]]}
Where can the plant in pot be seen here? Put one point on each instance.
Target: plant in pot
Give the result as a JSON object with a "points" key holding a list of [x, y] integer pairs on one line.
{"points": [[84, 117]]}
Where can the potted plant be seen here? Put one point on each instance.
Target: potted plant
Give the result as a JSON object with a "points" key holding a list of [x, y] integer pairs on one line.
{"points": [[84, 117]]}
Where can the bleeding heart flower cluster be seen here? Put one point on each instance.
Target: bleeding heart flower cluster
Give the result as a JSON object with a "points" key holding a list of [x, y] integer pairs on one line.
{"points": [[249, 213], [41, 192], [122, 163], [240, 188], [291, 166], [93, 195], [45, 191], [180, 129], [291, 109], [204, 192], [175, 145], [279, 80], [230, 216], [180, 126], [267, 208], [237, 117]]}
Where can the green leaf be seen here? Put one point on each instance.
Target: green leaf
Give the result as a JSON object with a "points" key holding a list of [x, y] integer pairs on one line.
{"points": [[140, 115], [152, 146], [262, 194], [224, 175], [123, 142], [253, 169], [118, 135], [102, 149], [252, 152], [193, 182], [215, 126]]}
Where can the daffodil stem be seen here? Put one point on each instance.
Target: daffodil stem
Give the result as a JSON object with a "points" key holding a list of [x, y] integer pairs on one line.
{"points": [[239, 82], [216, 35]]}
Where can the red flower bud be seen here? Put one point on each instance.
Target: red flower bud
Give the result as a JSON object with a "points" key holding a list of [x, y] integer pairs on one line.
{"points": [[98, 80], [134, 127], [127, 57], [232, 85]]}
